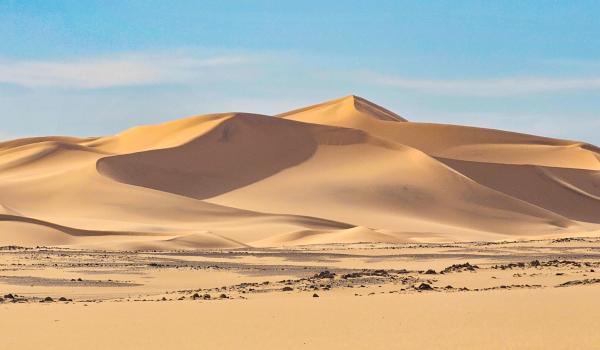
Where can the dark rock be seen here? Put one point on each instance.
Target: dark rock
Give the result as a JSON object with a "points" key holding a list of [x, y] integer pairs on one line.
{"points": [[424, 286], [579, 282], [325, 274], [62, 299], [9, 296], [48, 300], [535, 263], [206, 296], [287, 289], [460, 267], [430, 272], [195, 296], [223, 296], [315, 295]]}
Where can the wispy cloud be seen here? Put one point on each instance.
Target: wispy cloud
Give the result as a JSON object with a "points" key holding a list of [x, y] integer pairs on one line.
{"points": [[489, 87], [119, 70]]}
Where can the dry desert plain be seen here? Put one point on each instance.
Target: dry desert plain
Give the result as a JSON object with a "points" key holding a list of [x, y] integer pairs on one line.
{"points": [[340, 225]]}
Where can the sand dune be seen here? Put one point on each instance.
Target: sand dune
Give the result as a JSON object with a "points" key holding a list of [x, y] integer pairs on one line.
{"points": [[343, 171], [562, 191], [457, 142], [78, 205], [5, 145], [352, 235], [275, 165]]}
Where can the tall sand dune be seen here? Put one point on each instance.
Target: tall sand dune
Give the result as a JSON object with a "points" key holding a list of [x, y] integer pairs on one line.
{"points": [[343, 171]]}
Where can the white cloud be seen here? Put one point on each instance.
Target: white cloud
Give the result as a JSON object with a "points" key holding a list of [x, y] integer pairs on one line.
{"points": [[489, 87], [120, 70]]}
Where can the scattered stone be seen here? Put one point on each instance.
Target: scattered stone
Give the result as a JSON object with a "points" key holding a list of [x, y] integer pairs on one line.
{"points": [[579, 282], [424, 286], [381, 273], [206, 296], [509, 266], [325, 274], [460, 268], [569, 239], [195, 296]]}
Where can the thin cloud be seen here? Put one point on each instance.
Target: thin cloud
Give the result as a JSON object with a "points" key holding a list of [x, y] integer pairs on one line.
{"points": [[490, 87], [121, 70]]}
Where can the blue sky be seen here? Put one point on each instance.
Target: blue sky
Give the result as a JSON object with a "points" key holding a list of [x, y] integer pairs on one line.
{"points": [[96, 67]]}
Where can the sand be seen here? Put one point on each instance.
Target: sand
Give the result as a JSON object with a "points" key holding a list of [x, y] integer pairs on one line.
{"points": [[343, 171], [341, 225], [515, 295], [424, 321]]}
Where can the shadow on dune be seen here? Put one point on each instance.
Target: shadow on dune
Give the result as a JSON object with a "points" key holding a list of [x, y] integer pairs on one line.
{"points": [[572, 193], [240, 151]]}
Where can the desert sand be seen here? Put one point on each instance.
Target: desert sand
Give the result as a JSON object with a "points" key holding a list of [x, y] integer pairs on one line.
{"points": [[344, 171], [339, 225], [503, 295]]}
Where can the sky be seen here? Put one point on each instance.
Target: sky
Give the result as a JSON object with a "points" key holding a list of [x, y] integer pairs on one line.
{"points": [[91, 67]]}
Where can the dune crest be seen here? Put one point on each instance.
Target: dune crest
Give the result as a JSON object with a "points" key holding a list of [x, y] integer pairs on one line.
{"points": [[342, 171], [350, 111]]}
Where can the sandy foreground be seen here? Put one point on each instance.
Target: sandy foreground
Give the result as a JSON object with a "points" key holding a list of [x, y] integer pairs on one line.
{"points": [[523, 295]]}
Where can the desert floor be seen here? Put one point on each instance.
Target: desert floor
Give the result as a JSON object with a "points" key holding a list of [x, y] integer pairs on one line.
{"points": [[526, 294]]}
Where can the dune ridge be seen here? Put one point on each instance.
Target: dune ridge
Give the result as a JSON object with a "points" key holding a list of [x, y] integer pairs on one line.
{"points": [[342, 171]]}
